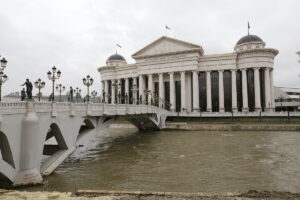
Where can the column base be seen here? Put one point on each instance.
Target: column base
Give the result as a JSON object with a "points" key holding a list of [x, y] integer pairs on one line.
{"points": [[257, 109], [268, 110], [245, 109], [28, 177], [196, 110], [208, 109], [221, 110], [172, 110], [234, 110]]}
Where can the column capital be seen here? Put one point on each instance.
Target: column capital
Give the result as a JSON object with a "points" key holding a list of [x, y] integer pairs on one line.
{"points": [[221, 70], [195, 71], [207, 71], [267, 68], [182, 72], [243, 69], [256, 68], [171, 73], [233, 70]]}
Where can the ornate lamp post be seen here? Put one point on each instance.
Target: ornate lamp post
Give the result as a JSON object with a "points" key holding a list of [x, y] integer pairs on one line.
{"points": [[103, 96], [60, 88], [3, 79], [77, 93], [53, 76], [88, 81], [39, 84], [3, 63], [94, 94]]}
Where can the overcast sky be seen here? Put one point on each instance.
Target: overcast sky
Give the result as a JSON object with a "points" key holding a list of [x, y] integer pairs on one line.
{"points": [[78, 36]]}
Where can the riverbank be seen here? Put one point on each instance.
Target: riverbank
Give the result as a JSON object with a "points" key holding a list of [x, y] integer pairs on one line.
{"points": [[204, 126], [138, 195]]}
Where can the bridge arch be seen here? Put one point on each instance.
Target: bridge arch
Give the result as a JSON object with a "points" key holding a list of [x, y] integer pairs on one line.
{"points": [[5, 150], [85, 128]]}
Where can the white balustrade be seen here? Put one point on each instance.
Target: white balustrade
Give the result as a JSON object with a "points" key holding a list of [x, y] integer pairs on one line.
{"points": [[94, 109]]}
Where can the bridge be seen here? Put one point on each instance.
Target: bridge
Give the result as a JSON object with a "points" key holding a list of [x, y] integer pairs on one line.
{"points": [[36, 137]]}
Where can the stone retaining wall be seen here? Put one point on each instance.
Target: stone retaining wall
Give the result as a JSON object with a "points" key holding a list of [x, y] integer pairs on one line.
{"points": [[233, 127]]}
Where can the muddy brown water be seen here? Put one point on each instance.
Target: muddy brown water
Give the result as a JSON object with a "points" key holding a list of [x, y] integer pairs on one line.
{"points": [[183, 161]]}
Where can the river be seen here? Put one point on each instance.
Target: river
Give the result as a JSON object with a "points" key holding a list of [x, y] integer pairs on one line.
{"points": [[185, 161]]}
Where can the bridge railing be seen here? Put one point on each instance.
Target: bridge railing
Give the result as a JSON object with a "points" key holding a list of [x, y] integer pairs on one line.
{"points": [[12, 107], [73, 108]]}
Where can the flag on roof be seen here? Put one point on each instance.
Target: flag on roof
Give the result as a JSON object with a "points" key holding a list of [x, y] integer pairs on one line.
{"points": [[119, 45], [167, 27]]}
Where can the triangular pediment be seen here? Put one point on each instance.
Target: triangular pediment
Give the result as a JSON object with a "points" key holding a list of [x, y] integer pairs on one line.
{"points": [[166, 45]]}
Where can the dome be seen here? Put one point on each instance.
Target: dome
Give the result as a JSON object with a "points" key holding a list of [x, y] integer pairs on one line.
{"points": [[116, 57], [249, 38]]}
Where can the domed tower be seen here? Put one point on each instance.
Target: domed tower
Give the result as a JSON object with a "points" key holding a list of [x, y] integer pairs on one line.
{"points": [[249, 42], [116, 60]]}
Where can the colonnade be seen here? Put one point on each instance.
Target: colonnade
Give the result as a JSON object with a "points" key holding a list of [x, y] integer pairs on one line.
{"points": [[143, 91]]}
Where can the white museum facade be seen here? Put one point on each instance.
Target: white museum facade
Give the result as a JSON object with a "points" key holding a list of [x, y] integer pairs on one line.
{"points": [[178, 76]]}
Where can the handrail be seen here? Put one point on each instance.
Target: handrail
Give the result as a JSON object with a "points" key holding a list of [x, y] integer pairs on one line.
{"points": [[95, 109]]}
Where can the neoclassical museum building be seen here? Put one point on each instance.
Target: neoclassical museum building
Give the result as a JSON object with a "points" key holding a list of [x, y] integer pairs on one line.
{"points": [[178, 76]]}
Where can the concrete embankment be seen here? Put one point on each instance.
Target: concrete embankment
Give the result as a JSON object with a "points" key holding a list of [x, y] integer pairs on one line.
{"points": [[231, 127], [138, 195]]}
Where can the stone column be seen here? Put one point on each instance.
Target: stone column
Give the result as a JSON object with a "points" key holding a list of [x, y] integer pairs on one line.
{"points": [[102, 89], [172, 92], [183, 97], [113, 91], [150, 89], [119, 95], [272, 90], [267, 90], [142, 88], [134, 90], [208, 91], [195, 92], [106, 91], [161, 89], [126, 90], [257, 90], [245, 90], [221, 91], [233, 91]]}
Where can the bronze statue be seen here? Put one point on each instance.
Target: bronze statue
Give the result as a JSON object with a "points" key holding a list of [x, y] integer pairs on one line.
{"points": [[23, 94], [28, 88], [71, 94]]}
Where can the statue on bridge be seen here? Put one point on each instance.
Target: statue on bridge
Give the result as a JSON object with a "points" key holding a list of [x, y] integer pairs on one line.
{"points": [[23, 94], [71, 94], [28, 88]]}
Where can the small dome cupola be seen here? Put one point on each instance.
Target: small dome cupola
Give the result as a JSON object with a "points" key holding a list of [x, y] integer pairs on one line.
{"points": [[116, 60], [249, 42]]}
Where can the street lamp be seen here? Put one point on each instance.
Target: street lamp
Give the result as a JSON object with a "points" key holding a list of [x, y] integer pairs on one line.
{"points": [[77, 93], [88, 81], [53, 76], [60, 88], [39, 84], [103, 96], [3, 79], [3, 63], [94, 94]]}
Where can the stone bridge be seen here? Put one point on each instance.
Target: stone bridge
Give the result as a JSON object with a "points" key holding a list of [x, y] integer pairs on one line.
{"points": [[34, 131]]}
